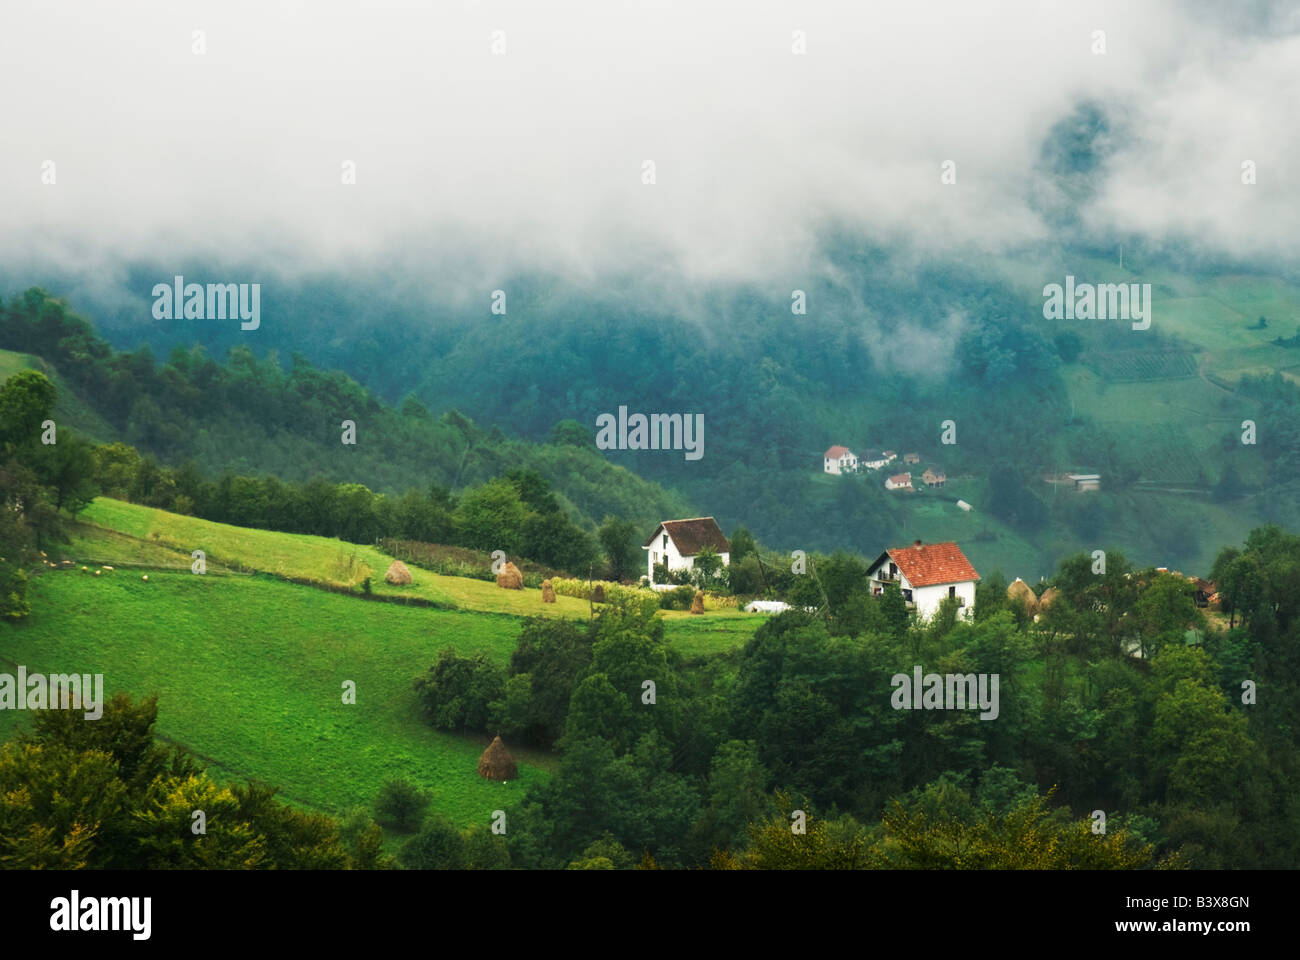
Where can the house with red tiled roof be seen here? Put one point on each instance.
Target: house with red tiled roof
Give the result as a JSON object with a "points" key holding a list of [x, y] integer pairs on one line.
{"points": [[899, 481], [676, 543], [839, 460], [927, 574]]}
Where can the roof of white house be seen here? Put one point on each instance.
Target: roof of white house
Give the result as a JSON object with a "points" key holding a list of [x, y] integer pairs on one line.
{"points": [[835, 452], [691, 536], [930, 565]]}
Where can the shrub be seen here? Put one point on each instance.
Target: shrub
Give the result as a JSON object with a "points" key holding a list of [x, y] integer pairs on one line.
{"points": [[401, 804], [678, 598], [457, 690]]}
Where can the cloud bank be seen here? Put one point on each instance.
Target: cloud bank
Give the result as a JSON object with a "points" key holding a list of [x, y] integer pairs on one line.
{"points": [[474, 162]]}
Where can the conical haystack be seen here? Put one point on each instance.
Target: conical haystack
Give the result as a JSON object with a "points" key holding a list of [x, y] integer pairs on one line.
{"points": [[509, 577], [1019, 590], [1049, 595], [598, 593], [548, 592], [697, 605], [496, 762], [398, 573]]}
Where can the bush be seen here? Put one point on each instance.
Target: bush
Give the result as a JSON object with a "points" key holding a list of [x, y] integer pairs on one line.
{"points": [[457, 690], [678, 598], [401, 804], [438, 846]]}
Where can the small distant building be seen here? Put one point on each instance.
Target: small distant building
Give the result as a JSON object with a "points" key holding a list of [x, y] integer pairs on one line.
{"points": [[1205, 591], [926, 575], [676, 543], [911, 458], [899, 481], [889, 455], [839, 460], [964, 505], [932, 479], [1085, 481]]}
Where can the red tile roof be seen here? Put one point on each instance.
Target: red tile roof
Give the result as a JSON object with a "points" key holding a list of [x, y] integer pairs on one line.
{"points": [[835, 452], [901, 478], [933, 563], [690, 536]]}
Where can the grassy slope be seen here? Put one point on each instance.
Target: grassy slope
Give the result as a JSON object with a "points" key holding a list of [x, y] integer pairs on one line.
{"points": [[249, 669], [249, 674]]}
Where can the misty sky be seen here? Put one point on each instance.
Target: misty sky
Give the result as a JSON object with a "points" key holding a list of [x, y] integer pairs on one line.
{"points": [[533, 159]]}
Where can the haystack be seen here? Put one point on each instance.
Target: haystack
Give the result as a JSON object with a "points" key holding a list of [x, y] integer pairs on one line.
{"points": [[509, 577], [1019, 590], [1049, 595], [697, 605], [548, 592], [398, 574], [598, 593], [496, 762]]}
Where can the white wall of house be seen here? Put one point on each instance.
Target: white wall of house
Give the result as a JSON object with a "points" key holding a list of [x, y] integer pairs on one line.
{"points": [[927, 599], [845, 463]]}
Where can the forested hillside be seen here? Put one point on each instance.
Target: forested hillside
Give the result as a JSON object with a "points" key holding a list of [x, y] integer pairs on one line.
{"points": [[250, 416]]}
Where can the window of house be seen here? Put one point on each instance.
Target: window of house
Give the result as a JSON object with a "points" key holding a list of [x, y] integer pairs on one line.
{"points": [[952, 591], [665, 541]]}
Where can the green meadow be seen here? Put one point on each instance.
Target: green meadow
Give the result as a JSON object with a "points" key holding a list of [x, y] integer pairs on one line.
{"points": [[249, 669], [249, 673]]}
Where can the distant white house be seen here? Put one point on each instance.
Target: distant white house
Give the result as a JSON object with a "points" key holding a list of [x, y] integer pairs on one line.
{"points": [[927, 574], [676, 543], [839, 460], [900, 481]]}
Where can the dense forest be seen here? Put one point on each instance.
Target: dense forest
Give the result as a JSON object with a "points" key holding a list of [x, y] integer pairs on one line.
{"points": [[1188, 748]]}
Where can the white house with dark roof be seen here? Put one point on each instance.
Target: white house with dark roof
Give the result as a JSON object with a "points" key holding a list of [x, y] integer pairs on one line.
{"points": [[872, 459], [927, 574], [676, 543]]}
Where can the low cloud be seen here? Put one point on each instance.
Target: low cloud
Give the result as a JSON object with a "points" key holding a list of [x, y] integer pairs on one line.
{"points": [[472, 167]]}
